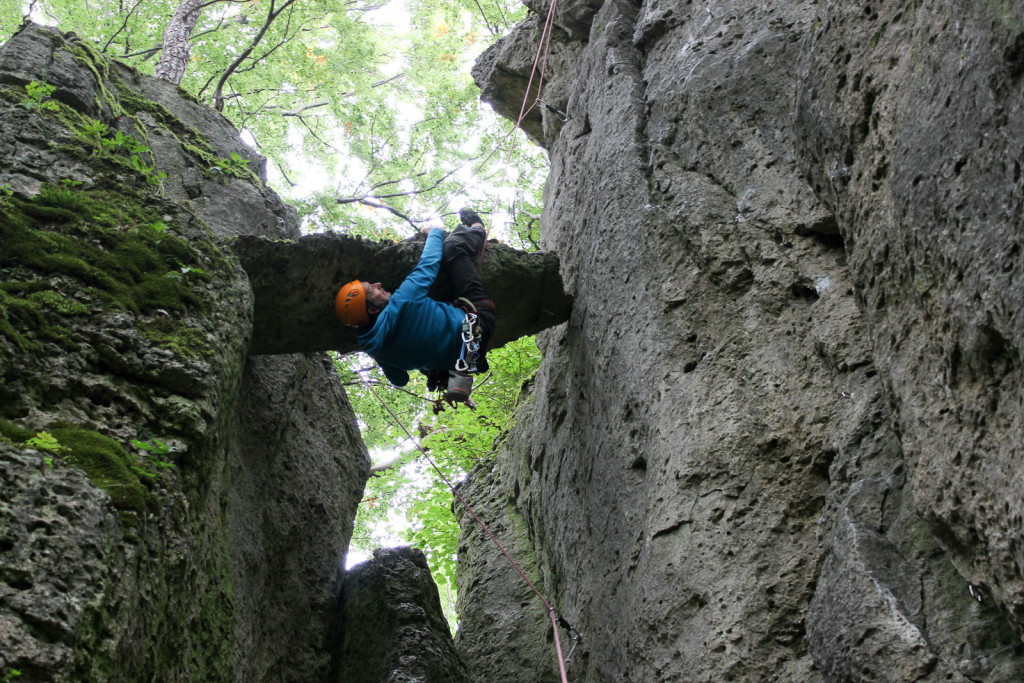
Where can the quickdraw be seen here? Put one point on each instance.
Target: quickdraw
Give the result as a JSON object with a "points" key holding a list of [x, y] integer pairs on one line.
{"points": [[562, 116], [460, 381], [470, 344]]}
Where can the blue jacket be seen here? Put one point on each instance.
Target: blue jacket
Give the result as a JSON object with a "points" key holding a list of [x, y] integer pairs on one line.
{"points": [[415, 332]]}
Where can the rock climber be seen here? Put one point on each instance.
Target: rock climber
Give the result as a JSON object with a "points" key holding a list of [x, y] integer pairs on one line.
{"points": [[407, 330]]}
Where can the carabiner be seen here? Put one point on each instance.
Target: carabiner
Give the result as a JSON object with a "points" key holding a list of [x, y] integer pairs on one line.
{"points": [[562, 116]]}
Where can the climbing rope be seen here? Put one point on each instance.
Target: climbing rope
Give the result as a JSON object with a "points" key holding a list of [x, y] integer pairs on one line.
{"points": [[543, 46], [552, 612]]}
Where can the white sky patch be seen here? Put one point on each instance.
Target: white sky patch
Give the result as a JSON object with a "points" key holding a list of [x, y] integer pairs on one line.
{"points": [[394, 16], [389, 532], [248, 138]]}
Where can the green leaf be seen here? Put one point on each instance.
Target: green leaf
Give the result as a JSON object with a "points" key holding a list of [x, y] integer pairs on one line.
{"points": [[44, 441]]}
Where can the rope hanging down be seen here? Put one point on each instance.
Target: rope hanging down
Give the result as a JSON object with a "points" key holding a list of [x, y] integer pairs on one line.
{"points": [[543, 47], [552, 612]]}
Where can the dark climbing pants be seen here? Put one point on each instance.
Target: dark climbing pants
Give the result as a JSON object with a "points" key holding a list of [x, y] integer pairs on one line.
{"points": [[462, 248]]}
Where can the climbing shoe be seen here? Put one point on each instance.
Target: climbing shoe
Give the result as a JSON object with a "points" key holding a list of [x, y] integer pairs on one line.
{"points": [[469, 217]]}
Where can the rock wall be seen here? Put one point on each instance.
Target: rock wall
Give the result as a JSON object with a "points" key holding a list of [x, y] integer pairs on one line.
{"points": [[779, 437], [125, 319], [393, 629]]}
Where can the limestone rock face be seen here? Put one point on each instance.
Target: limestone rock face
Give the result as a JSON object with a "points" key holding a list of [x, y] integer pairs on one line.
{"points": [[294, 283], [779, 437], [170, 508], [393, 629]]}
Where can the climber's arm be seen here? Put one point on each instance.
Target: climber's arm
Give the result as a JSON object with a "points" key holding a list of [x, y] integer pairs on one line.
{"points": [[415, 286]]}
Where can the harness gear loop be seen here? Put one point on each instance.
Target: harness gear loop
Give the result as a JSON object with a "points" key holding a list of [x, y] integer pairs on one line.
{"points": [[460, 382]]}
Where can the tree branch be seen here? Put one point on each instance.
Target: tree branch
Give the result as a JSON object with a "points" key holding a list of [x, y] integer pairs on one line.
{"points": [[272, 14], [366, 201], [124, 25], [388, 80], [149, 52], [387, 464], [300, 110], [257, 60], [219, 26], [175, 50], [302, 120], [27, 17], [214, 2], [484, 16]]}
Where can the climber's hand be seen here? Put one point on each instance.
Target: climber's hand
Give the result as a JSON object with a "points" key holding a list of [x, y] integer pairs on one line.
{"points": [[437, 380]]}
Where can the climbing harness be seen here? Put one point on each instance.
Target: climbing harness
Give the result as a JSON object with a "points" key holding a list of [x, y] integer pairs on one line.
{"points": [[556, 618], [460, 382], [470, 350], [455, 386]]}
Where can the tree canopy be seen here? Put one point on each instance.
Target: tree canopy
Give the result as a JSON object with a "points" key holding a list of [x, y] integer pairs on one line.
{"points": [[365, 108]]}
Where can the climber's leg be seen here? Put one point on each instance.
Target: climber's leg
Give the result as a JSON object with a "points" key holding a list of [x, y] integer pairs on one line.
{"points": [[464, 241], [461, 249]]}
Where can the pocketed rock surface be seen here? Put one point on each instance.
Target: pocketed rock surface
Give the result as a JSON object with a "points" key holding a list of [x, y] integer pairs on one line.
{"points": [[215, 550], [779, 437]]}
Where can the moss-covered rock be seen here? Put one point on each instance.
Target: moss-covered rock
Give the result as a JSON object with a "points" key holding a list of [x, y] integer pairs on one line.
{"points": [[123, 322], [107, 464]]}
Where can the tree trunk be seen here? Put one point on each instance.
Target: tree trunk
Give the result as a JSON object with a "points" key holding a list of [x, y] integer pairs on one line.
{"points": [[175, 53]]}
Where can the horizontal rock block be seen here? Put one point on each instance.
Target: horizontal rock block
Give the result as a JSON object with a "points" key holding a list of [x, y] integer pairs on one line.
{"points": [[295, 283]]}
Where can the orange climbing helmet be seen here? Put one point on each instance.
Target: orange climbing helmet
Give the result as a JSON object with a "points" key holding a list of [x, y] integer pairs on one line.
{"points": [[350, 304]]}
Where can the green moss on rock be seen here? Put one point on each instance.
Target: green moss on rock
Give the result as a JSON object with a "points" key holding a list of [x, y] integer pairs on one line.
{"points": [[184, 341], [58, 303], [107, 465], [113, 251], [13, 434]]}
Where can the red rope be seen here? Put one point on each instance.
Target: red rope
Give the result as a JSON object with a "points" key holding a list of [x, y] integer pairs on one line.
{"points": [[551, 610], [543, 45]]}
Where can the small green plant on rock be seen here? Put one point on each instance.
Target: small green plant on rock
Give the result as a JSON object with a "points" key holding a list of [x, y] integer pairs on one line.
{"points": [[157, 229], [63, 196], [94, 130], [45, 441], [186, 271], [154, 452], [234, 165], [118, 144], [39, 96], [10, 675]]}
